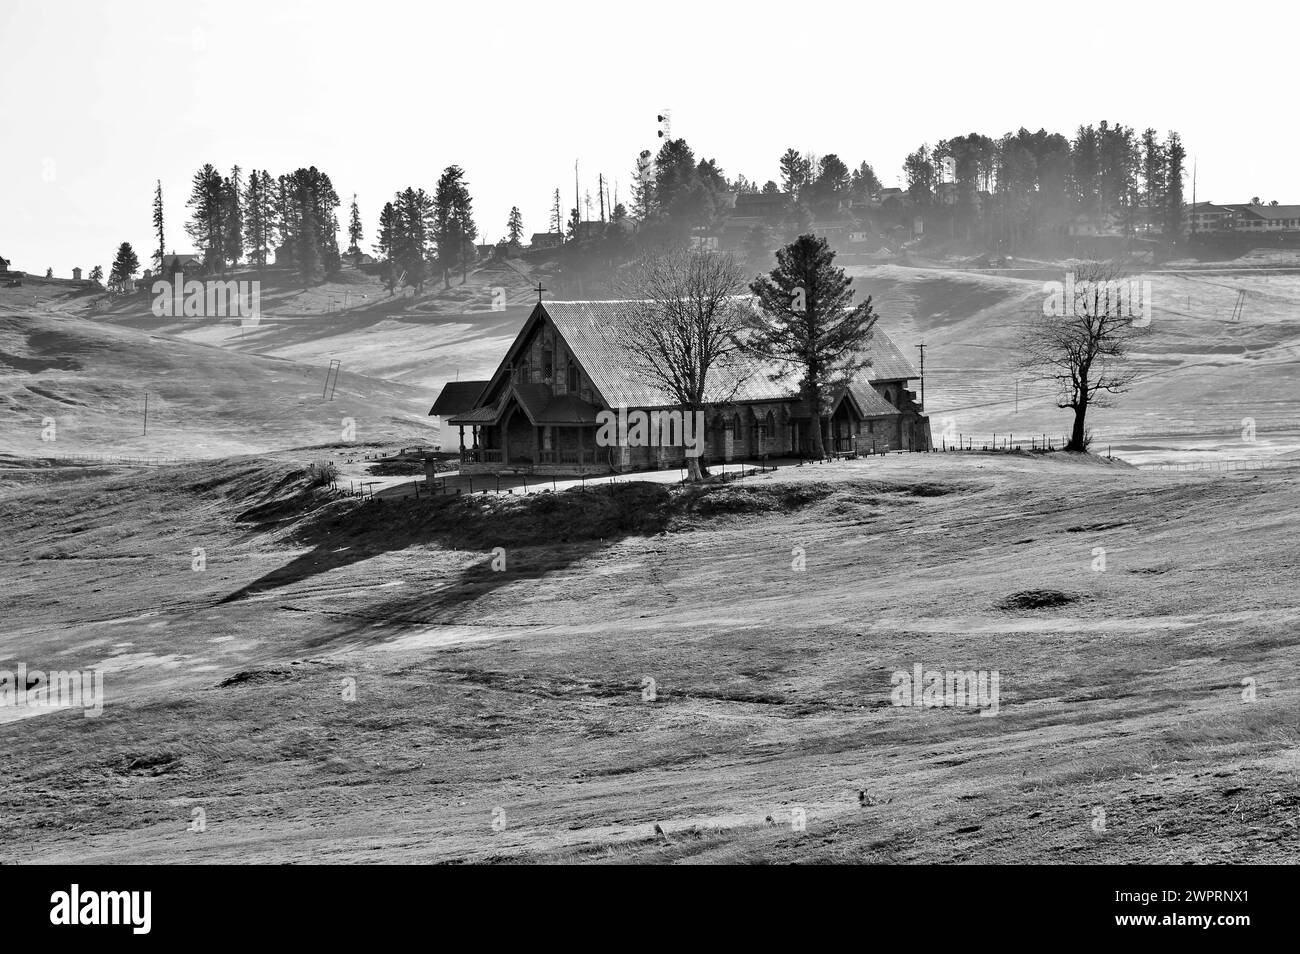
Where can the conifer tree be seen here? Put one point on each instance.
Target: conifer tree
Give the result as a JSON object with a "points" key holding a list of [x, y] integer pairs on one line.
{"points": [[354, 228], [124, 266], [808, 324], [161, 250]]}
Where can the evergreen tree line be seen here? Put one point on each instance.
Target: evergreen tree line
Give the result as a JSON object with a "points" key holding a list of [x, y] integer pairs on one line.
{"points": [[233, 219], [422, 236], [1005, 189], [994, 190]]}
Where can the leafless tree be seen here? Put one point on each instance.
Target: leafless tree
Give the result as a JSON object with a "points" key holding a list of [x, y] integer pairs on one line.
{"points": [[684, 340], [1080, 339]]}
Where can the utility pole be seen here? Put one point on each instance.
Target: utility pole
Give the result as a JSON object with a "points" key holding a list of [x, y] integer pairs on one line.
{"points": [[922, 347], [146, 414], [577, 200], [601, 188]]}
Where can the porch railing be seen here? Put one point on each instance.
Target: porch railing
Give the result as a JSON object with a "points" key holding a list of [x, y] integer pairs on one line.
{"points": [[562, 455]]}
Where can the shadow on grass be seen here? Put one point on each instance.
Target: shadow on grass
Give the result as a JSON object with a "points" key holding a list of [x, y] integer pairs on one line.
{"points": [[571, 526], [561, 528]]}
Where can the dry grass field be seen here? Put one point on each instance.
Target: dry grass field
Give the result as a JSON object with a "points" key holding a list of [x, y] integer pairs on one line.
{"points": [[314, 677], [517, 696]]}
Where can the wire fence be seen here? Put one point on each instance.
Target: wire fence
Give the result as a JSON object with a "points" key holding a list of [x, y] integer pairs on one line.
{"points": [[115, 460], [1222, 466]]}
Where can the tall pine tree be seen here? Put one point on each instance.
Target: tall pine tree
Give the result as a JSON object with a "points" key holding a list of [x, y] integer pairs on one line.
{"points": [[1175, 156], [207, 227], [354, 229], [809, 324], [124, 266], [161, 250]]}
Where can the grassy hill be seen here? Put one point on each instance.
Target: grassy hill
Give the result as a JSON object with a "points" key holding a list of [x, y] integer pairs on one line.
{"points": [[423, 340], [1200, 371], [522, 690], [91, 378]]}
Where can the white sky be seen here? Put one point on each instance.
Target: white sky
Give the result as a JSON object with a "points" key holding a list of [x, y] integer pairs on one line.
{"points": [[102, 98]]}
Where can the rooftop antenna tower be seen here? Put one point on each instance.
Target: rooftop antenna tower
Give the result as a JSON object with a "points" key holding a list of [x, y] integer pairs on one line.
{"points": [[665, 118]]}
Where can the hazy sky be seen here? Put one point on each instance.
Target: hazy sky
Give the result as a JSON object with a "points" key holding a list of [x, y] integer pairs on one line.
{"points": [[101, 99]]}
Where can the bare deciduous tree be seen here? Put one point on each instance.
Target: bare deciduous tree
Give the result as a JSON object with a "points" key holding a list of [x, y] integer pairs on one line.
{"points": [[684, 340], [1080, 340]]}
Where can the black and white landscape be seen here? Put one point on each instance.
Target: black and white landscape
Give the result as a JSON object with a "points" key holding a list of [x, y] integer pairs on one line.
{"points": [[575, 433]]}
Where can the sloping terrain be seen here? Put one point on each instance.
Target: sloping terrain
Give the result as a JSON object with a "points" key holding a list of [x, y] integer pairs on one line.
{"points": [[1201, 372], [91, 378], [507, 714], [422, 340]]}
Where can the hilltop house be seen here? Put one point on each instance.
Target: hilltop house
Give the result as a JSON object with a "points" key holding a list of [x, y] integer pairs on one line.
{"points": [[186, 264], [539, 412], [1248, 218]]}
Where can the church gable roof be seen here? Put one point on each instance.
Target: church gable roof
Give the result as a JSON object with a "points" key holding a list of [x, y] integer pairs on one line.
{"points": [[592, 330], [457, 396]]}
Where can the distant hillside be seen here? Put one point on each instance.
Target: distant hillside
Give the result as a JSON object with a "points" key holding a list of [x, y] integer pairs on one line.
{"points": [[1200, 371], [91, 377], [422, 340]]}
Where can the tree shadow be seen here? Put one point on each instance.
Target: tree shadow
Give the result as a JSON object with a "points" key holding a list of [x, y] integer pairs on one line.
{"points": [[541, 534]]}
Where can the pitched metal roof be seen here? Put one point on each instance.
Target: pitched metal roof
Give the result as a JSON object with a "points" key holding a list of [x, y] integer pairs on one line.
{"points": [[870, 403], [887, 361], [544, 407], [539, 405], [479, 415], [592, 330], [1268, 211], [457, 396]]}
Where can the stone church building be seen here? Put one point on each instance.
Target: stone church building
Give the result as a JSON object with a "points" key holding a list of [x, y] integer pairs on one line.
{"points": [[539, 411]]}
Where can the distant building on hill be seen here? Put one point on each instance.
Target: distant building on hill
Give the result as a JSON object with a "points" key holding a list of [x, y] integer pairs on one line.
{"points": [[546, 240], [1244, 218], [539, 412], [1255, 217], [761, 204], [186, 263]]}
